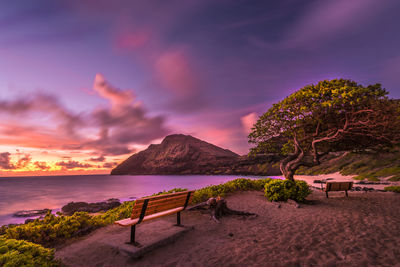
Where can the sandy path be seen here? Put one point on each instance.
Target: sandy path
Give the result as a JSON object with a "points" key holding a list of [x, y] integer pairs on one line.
{"points": [[362, 230]]}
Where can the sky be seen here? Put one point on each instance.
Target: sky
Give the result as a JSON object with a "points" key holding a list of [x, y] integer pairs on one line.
{"points": [[84, 84]]}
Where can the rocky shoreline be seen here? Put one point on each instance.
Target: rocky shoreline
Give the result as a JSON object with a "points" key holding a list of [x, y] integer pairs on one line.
{"points": [[70, 209]]}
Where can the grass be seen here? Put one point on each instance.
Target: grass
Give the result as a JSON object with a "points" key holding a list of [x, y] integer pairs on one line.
{"points": [[395, 189], [370, 166]]}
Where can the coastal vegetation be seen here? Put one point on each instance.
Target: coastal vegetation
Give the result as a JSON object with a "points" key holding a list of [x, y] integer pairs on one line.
{"points": [[393, 188], [371, 166], [331, 116], [282, 190], [23, 253]]}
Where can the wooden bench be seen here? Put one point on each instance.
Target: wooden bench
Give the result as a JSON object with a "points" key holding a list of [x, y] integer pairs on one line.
{"points": [[149, 208], [338, 186]]}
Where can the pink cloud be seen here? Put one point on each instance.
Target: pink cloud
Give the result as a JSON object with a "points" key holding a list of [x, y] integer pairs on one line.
{"points": [[129, 40], [176, 73], [71, 164], [120, 127], [116, 96], [248, 121]]}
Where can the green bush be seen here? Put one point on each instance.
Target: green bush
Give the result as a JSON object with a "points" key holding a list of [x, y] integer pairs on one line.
{"points": [[393, 188], [240, 184], [22, 253], [282, 190]]}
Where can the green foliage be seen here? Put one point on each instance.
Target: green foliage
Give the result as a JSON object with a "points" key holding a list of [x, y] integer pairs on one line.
{"points": [[174, 190], [370, 166], [52, 228], [393, 189], [23, 253], [282, 190], [240, 184]]}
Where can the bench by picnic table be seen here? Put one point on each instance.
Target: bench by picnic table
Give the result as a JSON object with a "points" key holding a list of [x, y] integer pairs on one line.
{"points": [[149, 208], [338, 186]]}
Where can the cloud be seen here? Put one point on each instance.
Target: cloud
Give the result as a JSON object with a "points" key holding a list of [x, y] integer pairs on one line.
{"points": [[41, 165], [176, 73], [120, 126], [125, 123], [5, 161], [324, 19], [46, 104], [71, 164], [130, 40], [117, 97], [99, 159], [24, 161], [110, 164], [248, 121]]}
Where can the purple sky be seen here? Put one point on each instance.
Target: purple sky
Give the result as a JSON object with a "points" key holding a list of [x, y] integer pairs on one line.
{"points": [[89, 82]]}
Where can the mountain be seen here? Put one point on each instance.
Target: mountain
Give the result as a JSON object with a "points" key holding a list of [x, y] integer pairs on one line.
{"points": [[185, 154]]}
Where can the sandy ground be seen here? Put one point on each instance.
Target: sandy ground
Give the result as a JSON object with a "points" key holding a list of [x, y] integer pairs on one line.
{"points": [[338, 177], [361, 230]]}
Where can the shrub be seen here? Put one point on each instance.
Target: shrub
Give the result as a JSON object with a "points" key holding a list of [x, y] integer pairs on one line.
{"points": [[393, 188], [282, 190], [23, 253], [240, 184]]}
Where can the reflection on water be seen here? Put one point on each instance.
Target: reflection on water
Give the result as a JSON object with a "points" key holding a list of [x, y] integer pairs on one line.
{"points": [[52, 192]]}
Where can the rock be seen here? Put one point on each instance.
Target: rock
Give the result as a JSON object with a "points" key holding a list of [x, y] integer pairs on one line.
{"points": [[185, 154], [73, 207], [29, 220], [30, 213]]}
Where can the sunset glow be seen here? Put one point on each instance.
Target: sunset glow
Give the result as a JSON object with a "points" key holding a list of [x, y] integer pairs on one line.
{"points": [[84, 85]]}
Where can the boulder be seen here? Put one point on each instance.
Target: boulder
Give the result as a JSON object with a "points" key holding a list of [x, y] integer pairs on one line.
{"points": [[73, 207], [30, 213]]}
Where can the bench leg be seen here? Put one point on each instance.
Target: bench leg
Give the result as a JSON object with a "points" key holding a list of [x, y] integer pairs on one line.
{"points": [[178, 219], [133, 241], [133, 230], [346, 193], [326, 194]]}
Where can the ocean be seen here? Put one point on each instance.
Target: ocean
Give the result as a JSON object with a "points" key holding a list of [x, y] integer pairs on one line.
{"points": [[53, 192]]}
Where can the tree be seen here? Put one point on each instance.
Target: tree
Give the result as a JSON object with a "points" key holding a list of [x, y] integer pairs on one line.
{"points": [[333, 115]]}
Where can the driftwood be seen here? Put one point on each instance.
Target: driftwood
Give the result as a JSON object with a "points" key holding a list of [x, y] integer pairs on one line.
{"points": [[219, 208]]}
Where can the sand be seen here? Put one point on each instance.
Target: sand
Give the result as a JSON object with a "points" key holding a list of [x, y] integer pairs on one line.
{"points": [[384, 182], [361, 230]]}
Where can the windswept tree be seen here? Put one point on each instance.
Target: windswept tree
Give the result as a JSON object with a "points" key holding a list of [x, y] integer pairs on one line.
{"points": [[331, 116]]}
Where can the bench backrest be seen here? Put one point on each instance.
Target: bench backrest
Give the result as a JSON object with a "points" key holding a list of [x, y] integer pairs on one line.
{"points": [[151, 205], [338, 186]]}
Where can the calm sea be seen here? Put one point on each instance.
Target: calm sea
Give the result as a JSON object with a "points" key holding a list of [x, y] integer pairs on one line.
{"points": [[52, 192]]}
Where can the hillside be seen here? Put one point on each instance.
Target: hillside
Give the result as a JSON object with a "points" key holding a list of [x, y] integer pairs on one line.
{"points": [[185, 154], [370, 166]]}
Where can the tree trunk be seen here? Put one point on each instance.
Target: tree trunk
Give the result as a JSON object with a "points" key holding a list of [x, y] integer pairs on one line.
{"points": [[218, 208], [285, 169]]}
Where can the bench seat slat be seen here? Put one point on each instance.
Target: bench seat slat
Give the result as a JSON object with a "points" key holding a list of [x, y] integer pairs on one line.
{"points": [[158, 208], [138, 205], [338, 186], [141, 200], [129, 222]]}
